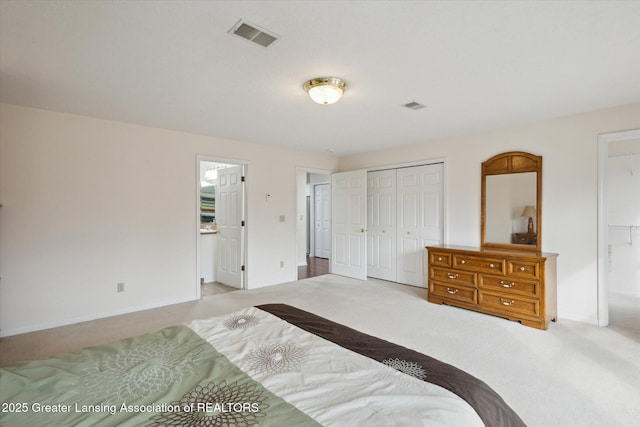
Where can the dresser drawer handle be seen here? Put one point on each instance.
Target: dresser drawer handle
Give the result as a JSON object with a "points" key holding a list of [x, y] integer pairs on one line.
{"points": [[452, 276], [506, 285], [492, 265], [523, 269], [439, 258], [463, 261], [452, 291], [508, 303]]}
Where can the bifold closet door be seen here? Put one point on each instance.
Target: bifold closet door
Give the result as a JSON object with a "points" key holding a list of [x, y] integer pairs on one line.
{"points": [[404, 214], [381, 224], [419, 219]]}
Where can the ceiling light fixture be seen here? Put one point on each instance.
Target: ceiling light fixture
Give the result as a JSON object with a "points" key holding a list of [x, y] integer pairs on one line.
{"points": [[325, 90]]}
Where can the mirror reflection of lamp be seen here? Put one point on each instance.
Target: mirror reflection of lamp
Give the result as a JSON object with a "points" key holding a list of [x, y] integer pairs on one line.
{"points": [[529, 211]]}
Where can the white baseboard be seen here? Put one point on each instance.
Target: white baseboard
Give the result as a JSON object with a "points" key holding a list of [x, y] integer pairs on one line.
{"points": [[66, 322], [576, 318]]}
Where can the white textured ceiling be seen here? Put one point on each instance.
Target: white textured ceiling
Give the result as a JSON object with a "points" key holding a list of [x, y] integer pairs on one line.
{"points": [[171, 64]]}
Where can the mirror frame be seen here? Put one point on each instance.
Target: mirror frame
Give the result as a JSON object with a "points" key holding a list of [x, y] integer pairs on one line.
{"points": [[510, 163]]}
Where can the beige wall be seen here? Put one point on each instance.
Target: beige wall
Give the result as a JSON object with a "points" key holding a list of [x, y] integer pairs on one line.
{"points": [[89, 203], [569, 223]]}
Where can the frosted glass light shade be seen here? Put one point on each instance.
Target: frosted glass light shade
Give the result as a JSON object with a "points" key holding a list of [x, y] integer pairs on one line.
{"points": [[325, 90]]}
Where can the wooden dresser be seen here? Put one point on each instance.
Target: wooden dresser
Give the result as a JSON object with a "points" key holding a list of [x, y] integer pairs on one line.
{"points": [[517, 285]]}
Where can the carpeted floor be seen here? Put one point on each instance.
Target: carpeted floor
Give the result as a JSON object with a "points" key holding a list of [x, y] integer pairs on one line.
{"points": [[215, 288], [574, 374]]}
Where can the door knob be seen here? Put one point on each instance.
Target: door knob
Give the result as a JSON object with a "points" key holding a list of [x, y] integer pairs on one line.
{"points": [[362, 230]]}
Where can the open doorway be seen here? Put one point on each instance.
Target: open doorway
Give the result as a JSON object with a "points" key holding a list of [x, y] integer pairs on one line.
{"points": [[221, 226], [619, 231], [313, 226]]}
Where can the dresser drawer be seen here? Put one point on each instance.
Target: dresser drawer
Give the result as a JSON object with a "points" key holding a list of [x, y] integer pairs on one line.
{"points": [[440, 259], [509, 285], [453, 276], [483, 264], [526, 269], [510, 303], [453, 292]]}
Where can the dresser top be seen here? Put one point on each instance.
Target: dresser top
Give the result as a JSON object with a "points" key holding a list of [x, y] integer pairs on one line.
{"points": [[493, 251]]}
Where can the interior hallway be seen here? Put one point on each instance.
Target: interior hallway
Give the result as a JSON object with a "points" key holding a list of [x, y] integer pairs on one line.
{"points": [[315, 267]]}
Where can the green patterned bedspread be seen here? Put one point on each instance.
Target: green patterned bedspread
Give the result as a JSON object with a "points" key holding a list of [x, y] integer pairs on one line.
{"points": [[169, 378]]}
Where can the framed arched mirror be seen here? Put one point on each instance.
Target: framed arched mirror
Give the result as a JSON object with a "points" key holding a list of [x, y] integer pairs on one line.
{"points": [[512, 201]]}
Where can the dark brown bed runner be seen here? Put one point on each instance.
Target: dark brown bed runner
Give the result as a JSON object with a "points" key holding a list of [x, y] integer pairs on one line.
{"points": [[491, 408]]}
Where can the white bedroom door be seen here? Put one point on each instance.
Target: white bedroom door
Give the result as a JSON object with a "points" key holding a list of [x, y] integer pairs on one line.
{"points": [[348, 224], [322, 220], [381, 224], [419, 216], [229, 212]]}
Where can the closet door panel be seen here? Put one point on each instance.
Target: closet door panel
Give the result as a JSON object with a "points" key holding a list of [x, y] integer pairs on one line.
{"points": [[410, 209], [432, 209], [381, 224], [420, 192]]}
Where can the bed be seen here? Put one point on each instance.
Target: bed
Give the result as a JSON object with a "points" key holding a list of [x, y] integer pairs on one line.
{"points": [[269, 365]]}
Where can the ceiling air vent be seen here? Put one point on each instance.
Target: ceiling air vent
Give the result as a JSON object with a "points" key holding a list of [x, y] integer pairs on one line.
{"points": [[414, 105], [253, 33]]}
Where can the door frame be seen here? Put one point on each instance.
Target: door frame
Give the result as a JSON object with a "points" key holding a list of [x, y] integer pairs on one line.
{"points": [[603, 226], [204, 158], [301, 231]]}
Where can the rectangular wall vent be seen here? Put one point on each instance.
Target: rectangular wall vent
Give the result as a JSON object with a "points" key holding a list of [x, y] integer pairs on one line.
{"points": [[253, 33], [414, 105]]}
